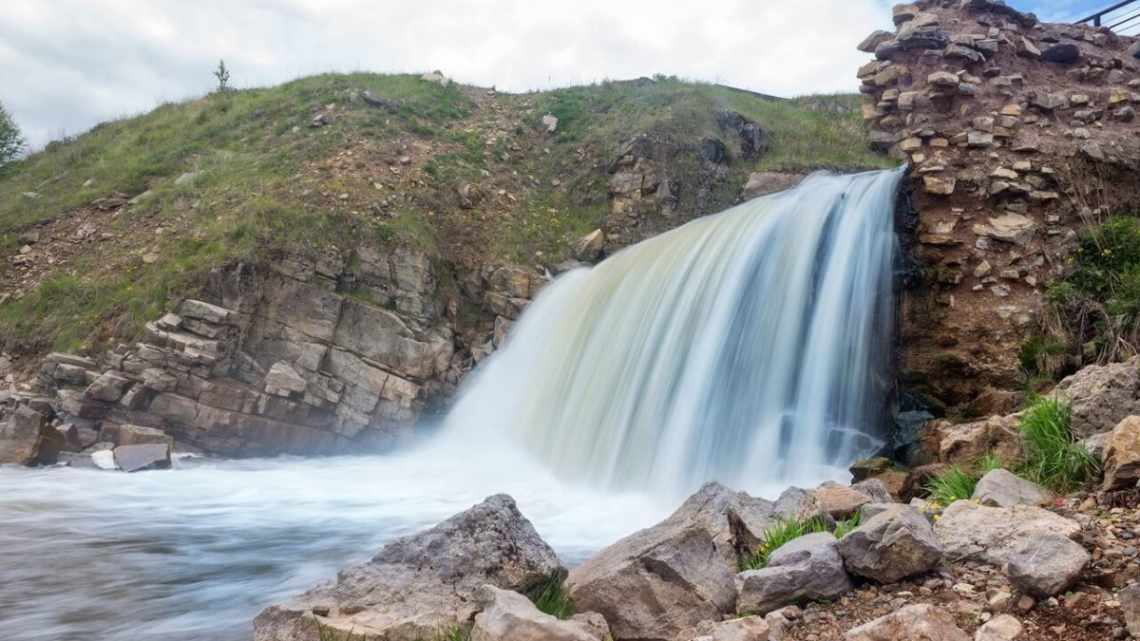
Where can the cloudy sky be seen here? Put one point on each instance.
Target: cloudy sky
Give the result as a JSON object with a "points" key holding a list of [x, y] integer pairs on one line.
{"points": [[69, 64]]}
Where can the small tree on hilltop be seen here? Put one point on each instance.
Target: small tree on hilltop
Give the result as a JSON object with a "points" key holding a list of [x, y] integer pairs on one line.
{"points": [[223, 76], [11, 142]]}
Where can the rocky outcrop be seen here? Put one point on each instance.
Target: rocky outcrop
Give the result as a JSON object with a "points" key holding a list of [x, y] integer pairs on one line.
{"points": [[922, 622], [1100, 396], [1002, 488], [423, 583], [509, 616], [307, 356], [894, 544], [805, 569], [662, 580], [1006, 122], [964, 443]]}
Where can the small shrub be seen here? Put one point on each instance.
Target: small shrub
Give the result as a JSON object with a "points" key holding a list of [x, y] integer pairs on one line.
{"points": [[955, 484], [223, 76], [1052, 457], [776, 536], [552, 598], [11, 142], [844, 527]]}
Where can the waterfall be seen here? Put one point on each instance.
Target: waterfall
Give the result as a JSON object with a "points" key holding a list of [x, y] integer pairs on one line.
{"points": [[750, 346]]}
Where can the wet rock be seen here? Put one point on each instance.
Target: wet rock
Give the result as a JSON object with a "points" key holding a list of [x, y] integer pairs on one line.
{"points": [[805, 569], [922, 622], [1045, 564], [104, 460], [589, 247], [972, 532], [669, 577], [1002, 488], [891, 546], [26, 438], [1122, 455], [509, 616], [148, 456], [419, 584]]}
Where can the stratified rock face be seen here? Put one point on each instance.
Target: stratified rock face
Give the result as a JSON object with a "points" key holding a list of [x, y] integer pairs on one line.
{"points": [[421, 584], [303, 355], [1100, 396], [1002, 119], [509, 616], [923, 622], [1046, 564], [968, 531], [1002, 488], [26, 438], [892, 545], [1122, 455], [804, 569], [662, 580]]}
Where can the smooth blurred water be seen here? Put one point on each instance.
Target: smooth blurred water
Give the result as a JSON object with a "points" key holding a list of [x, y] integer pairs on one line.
{"points": [[751, 346], [193, 554]]}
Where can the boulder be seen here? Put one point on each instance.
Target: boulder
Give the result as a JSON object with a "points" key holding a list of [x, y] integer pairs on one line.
{"points": [[742, 629], [108, 387], [26, 438], [965, 442], [876, 490], [664, 579], [839, 501], [1003, 627], [419, 584], [510, 616], [871, 42], [1044, 564], [1129, 599], [104, 460], [892, 545], [1100, 396], [1061, 53], [1002, 488], [972, 532], [808, 568], [146, 456], [1122, 455], [921, 622], [590, 246]]}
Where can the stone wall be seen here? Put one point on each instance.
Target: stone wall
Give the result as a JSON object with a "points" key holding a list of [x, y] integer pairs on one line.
{"points": [[300, 355], [1019, 133]]}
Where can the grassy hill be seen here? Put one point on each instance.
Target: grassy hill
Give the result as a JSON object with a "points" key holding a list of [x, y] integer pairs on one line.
{"points": [[100, 233]]}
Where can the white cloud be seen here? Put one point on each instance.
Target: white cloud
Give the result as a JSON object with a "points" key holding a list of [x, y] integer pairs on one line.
{"points": [[73, 63]]}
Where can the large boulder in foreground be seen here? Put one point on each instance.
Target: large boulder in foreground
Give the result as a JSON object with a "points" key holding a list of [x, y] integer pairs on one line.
{"points": [[1002, 488], [509, 616], [664, 579], [895, 543], [420, 584], [972, 532], [26, 438], [922, 622], [1122, 455], [804, 569]]}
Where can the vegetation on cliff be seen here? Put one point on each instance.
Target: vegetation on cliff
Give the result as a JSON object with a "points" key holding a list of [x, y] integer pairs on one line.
{"points": [[102, 232]]}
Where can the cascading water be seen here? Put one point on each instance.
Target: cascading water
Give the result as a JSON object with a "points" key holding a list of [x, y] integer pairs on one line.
{"points": [[748, 347]]}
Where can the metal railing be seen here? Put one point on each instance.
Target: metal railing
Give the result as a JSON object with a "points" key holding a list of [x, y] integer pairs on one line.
{"points": [[1122, 17]]}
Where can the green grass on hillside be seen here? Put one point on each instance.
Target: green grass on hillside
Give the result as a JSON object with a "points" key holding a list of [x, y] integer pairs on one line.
{"points": [[265, 179]]}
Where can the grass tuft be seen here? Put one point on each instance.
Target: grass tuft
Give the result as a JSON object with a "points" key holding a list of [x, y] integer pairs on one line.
{"points": [[783, 531], [955, 484], [1052, 456], [552, 597], [844, 527]]}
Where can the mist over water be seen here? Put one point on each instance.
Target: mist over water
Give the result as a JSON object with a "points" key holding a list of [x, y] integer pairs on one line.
{"points": [[744, 347]]}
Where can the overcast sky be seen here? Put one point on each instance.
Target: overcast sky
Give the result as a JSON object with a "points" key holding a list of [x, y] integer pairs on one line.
{"points": [[69, 64]]}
